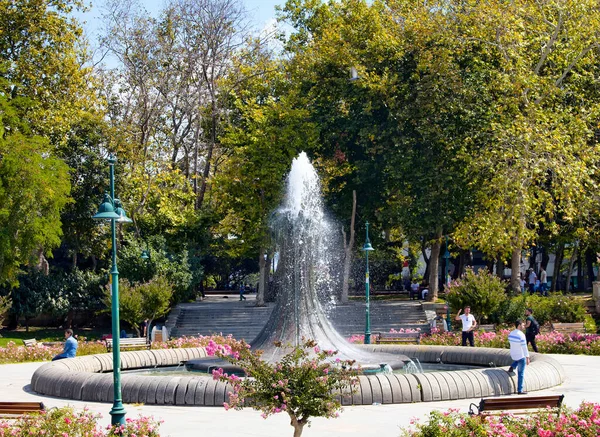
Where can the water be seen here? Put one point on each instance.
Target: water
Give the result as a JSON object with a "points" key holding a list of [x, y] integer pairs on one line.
{"points": [[309, 252]]}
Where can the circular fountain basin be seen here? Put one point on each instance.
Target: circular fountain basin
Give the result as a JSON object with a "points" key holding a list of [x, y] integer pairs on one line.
{"points": [[89, 378]]}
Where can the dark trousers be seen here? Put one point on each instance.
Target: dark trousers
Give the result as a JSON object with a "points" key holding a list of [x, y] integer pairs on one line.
{"points": [[531, 339], [468, 335]]}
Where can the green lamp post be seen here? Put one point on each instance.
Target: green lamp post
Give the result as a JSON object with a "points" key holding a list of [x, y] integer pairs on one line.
{"points": [[367, 248], [111, 209]]}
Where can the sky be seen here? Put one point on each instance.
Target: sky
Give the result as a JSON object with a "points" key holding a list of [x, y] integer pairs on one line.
{"points": [[261, 12]]}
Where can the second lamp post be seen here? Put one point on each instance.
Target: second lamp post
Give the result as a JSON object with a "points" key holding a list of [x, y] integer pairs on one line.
{"points": [[112, 210], [367, 248]]}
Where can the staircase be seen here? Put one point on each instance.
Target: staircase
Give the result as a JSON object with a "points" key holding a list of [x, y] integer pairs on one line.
{"points": [[243, 320]]}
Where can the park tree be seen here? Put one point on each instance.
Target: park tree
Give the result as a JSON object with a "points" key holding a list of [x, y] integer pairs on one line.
{"points": [[539, 162], [270, 128], [34, 187]]}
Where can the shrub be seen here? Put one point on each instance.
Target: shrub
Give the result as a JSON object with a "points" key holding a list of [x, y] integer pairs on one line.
{"points": [[306, 383], [553, 308], [544, 423], [65, 421], [481, 290]]}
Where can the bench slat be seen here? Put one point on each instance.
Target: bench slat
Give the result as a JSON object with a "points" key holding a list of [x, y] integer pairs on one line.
{"points": [[398, 337], [18, 408]]}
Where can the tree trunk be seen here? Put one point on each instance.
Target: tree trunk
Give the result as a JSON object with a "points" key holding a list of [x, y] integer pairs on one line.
{"points": [[571, 265], [589, 263], [500, 268], [558, 260], [348, 251], [545, 258], [426, 259], [434, 262], [262, 264], [211, 147], [74, 260], [297, 424], [515, 270], [580, 286]]}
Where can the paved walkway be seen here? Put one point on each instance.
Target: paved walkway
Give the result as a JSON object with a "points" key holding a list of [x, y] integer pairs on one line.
{"points": [[582, 383]]}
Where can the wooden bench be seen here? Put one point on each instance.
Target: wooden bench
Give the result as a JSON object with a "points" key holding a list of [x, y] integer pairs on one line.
{"points": [[129, 343], [568, 328], [486, 328], [13, 409], [30, 342], [398, 337], [522, 403]]}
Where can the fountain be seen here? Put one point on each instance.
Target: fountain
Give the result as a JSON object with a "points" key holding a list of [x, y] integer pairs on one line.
{"points": [[306, 245], [306, 250]]}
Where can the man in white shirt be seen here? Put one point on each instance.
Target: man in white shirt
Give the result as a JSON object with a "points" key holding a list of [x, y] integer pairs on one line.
{"points": [[531, 281], [519, 354], [468, 325], [543, 282]]}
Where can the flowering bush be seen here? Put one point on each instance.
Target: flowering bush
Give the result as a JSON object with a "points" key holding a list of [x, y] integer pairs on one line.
{"points": [[583, 422], [547, 342], [65, 422], [304, 384], [13, 353]]}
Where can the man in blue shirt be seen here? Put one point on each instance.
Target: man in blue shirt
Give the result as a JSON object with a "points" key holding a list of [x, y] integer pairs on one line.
{"points": [[70, 349]]}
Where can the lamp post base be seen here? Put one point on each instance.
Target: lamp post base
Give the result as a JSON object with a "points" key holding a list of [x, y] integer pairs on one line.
{"points": [[367, 338], [117, 413]]}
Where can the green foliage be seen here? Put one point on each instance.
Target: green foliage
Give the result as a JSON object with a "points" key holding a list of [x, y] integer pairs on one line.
{"points": [[304, 383], [553, 308], [175, 267], [481, 290], [34, 187], [5, 304], [56, 294], [148, 300]]}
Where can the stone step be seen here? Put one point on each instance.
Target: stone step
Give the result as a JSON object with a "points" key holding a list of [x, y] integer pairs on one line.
{"points": [[243, 320]]}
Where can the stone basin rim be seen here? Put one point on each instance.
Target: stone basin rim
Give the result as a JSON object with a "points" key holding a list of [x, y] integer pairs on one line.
{"points": [[89, 378]]}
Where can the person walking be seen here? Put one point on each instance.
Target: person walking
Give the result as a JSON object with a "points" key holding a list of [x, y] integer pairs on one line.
{"points": [[242, 290], [532, 328], [70, 349], [468, 325], [519, 354], [532, 277], [543, 282]]}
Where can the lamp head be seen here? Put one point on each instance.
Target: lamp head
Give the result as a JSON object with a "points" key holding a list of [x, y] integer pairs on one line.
{"points": [[121, 213], [446, 254], [145, 254], [106, 210], [367, 246]]}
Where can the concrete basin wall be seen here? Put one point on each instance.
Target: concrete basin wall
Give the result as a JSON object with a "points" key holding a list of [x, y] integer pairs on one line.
{"points": [[90, 378]]}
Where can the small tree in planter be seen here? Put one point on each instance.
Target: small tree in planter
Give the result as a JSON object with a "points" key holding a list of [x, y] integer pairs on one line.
{"points": [[306, 383]]}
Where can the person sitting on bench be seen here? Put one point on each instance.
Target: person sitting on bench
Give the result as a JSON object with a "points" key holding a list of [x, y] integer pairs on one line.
{"points": [[70, 349]]}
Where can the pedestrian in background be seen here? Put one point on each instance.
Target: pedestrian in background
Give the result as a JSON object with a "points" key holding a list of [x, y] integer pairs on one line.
{"points": [[468, 325], [532, 328]]}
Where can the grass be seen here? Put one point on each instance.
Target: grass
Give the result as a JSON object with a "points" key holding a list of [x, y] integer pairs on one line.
{"points": [[43, 334]]}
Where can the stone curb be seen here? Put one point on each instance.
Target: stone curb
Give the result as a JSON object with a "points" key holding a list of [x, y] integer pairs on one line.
{"points": [[89, 378]]}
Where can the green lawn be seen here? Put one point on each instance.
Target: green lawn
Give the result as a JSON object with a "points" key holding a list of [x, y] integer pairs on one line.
{"points": [[47, 334]]}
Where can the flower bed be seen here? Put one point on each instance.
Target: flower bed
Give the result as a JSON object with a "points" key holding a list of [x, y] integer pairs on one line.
{"points": [[548, 342], [582, 422], [14, 353], [65, 422]]}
